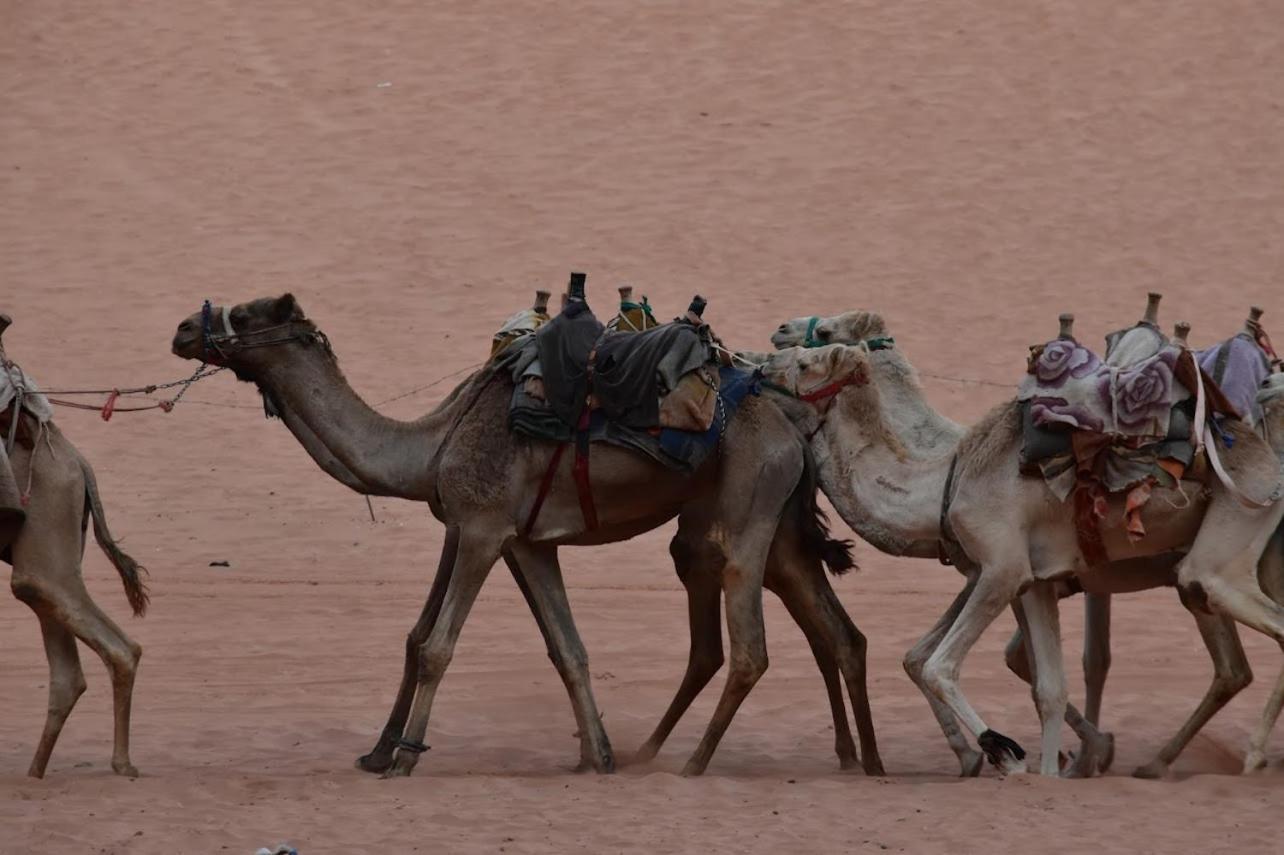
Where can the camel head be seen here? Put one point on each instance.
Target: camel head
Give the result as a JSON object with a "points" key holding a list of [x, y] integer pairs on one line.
{"points": [[248, 336], [835, 379], [817, 375], [847, 328]]}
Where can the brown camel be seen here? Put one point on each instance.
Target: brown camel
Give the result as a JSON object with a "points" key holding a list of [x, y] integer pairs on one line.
{"points": [[482, 481], [46, 556], [793, 574]]}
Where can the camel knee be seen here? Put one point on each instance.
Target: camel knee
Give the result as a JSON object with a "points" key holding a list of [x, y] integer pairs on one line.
{"points": [[1014, 657], [64, 691], [938, 677], [748, 670], [433, 663], [1051, 699], [1236, 681], [915, 662], [571, 665]]}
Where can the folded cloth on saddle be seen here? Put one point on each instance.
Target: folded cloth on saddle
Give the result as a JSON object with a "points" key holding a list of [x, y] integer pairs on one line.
{"points": [[13, 379], [678, 449], [1129, 346], [523, 323], [1069, 385], [1239, 367], [631, 371], [1052, 454]]}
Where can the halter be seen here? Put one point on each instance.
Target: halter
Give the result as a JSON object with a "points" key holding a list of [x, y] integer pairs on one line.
{"points": [[810, 339], [217, 347]]}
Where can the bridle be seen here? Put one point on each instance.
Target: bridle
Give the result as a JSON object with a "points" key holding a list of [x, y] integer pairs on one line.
{"points": [[218, 347]]}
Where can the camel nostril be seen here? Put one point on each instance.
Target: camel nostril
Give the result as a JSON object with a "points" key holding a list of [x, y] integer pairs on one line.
{"points": [[783, 328], [186, 326]]}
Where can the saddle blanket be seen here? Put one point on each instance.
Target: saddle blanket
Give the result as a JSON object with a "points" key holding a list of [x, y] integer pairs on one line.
{"points": [[677, 449]]}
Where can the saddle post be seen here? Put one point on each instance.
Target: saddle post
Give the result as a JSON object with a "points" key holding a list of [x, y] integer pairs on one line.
{"points": [[1180, 334], [1152, 308], [1067, 327], [541, 302]]}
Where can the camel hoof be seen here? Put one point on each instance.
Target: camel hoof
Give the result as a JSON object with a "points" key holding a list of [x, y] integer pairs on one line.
{"points": [[848, 764], [692, 770], [376, 762], [126, 769], [1254, 761], [645, 754], [1152, 771], [971, 764], [874, 767], [402, 766], [1094, 757]]}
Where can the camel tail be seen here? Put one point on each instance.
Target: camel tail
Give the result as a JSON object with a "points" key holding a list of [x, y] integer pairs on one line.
{"points": [[813, 524], [131, 572]]}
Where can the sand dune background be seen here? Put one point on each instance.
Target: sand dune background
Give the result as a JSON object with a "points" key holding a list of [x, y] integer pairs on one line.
{"points": [[412, 172]]}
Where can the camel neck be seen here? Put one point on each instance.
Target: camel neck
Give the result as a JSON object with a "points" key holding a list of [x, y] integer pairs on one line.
{"points": [[890, 495], [347, 438]]}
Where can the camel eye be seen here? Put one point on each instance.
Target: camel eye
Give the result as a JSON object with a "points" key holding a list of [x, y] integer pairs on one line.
{"points": [[822, 334]]}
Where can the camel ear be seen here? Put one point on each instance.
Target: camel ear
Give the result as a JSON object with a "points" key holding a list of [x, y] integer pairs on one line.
{"points": [[286, 309]]}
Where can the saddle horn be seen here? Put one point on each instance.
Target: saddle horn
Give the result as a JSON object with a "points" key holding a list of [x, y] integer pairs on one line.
{"points": [[626, 293], [1067, 326], [1152, 308], [1180, 332], [575, 290], [1254, 322], [695, 312], [541, 301]]}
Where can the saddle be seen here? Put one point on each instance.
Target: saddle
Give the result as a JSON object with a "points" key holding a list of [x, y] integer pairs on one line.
{"points": [[1093, 428], [658, 391]]}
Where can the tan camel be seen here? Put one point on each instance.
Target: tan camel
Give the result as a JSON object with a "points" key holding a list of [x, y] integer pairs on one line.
{"points": [[894, 499], [46, 556], [929, 434], [482, 482]]}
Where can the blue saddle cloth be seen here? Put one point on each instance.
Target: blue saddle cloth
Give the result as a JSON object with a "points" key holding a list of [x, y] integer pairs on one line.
{"points": [[677, 449]]}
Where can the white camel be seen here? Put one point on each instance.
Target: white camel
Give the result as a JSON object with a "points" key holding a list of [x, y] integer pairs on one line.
{"points": [[1000, 519]]}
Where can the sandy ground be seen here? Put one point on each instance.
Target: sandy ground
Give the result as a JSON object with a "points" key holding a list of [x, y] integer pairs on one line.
{"points": [[412, 171]]}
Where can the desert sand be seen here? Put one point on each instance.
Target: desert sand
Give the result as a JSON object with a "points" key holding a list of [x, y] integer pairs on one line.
{"points": [[412, 172]]}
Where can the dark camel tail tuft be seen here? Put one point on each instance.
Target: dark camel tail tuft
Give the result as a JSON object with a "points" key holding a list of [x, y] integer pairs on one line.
{"points": [[813, 524], [131, 572]]}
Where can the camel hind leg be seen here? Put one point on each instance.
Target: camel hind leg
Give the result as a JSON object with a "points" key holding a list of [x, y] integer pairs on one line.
{"points": [[1231, 674], [703, 585], [66, 685], [1270, 575]]}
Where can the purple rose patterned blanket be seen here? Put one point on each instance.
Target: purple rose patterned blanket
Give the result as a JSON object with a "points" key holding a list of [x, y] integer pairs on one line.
{"points": [[1070, 387]]}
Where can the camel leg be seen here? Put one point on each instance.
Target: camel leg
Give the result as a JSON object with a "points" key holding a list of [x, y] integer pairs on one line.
{"points": [[1230, 675], [380, 757], [970, 760], [1040, 622], [66, 685], [1096, 749], [995, 589], [1270, 576], [748, 658], [478, 551], [1255, 759], [704, 616], [547, 594], [1096, 653], [825, 637]]}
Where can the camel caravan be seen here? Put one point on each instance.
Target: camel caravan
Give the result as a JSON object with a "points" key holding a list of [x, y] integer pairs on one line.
{"points": [[1153, 466]]}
